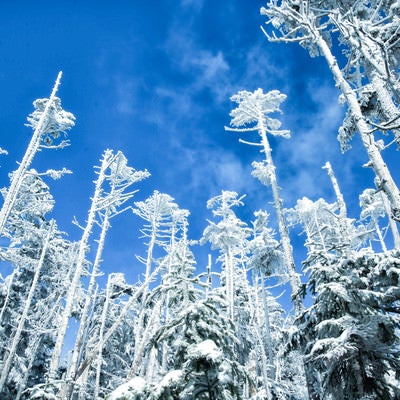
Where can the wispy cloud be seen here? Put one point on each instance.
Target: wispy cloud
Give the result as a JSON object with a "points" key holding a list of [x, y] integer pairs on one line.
{"points": [[197, 5], [209, 169], [313, 143], [201, 68]]}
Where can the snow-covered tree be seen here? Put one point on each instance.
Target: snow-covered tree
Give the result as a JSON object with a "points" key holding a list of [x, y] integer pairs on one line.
{"points": [[113, 170], [119, 177], [310, 24], [48, 121], [229, 237], [31, 295], [252, 114], [201, 339], [157, 212], [350, 332]]}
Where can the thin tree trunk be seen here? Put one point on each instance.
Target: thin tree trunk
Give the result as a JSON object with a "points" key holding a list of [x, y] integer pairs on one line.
{"points": [[342, 210], [88, 299], [101, 336], [142, 341], [385, 180], [261, 341], [83, 246], [268, 336], [88, 360], [19, 175], [294, 279]]}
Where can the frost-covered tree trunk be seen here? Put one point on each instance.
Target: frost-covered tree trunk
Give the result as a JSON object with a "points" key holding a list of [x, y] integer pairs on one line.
{"points": [[253, 109], [47, 120], [128, 306], [88, 300], [79, 266], [120, 178], [99, 361], [370, 31], [17, 335], [265, 343], [268, 336], [342, 209], [294, 278], [384, 178], [298, 22], [229, 237]]}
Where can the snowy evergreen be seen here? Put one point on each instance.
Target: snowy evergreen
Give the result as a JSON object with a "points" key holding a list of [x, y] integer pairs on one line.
{"points": [[183, 331]]}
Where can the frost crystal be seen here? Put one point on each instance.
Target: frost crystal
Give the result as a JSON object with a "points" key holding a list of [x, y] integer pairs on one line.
{"points": [[57, 120]]}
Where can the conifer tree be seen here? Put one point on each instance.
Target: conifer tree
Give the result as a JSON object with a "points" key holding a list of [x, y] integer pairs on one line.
{"points": [[108, 171], [311, 26], [48, 120], [253, 109], [31, 296]]}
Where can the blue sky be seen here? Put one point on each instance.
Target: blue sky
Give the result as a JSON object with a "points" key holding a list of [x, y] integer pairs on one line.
{"points": [[153, 79]]}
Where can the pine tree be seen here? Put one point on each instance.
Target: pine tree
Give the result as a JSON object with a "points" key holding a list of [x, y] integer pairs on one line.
{"points": [[253, 109]]}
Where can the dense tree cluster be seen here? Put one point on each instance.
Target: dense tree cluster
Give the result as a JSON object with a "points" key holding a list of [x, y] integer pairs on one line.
{"points": [[219, 333]]}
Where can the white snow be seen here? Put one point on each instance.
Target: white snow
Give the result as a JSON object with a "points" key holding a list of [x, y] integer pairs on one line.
{"points": [[129, 390], [206, 349]]}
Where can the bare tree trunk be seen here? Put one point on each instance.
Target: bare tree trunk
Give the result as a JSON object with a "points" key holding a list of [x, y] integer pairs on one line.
{"points": [[261, 341], [268, 336], [99, 362], [88, 299], [90, 357], [143, 340]]}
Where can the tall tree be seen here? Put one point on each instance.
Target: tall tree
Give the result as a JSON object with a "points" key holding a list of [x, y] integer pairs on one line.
{"points": [[119, 179], [308, 24], [31, 296], [253, 109], [48, 120], [108, 171]]}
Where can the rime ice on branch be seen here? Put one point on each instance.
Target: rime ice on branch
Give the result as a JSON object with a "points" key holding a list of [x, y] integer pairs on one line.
{"points": [[48, 120], [368, 83], [253, 109]]}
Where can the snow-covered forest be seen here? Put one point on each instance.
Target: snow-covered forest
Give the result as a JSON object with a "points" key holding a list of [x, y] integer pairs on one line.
{"points": [[224, 331]]}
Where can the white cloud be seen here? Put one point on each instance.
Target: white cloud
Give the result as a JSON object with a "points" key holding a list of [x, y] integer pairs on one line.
{"points": [[125, 91], [201, 68], [300, 159], [197, 5], [203, 170]]}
